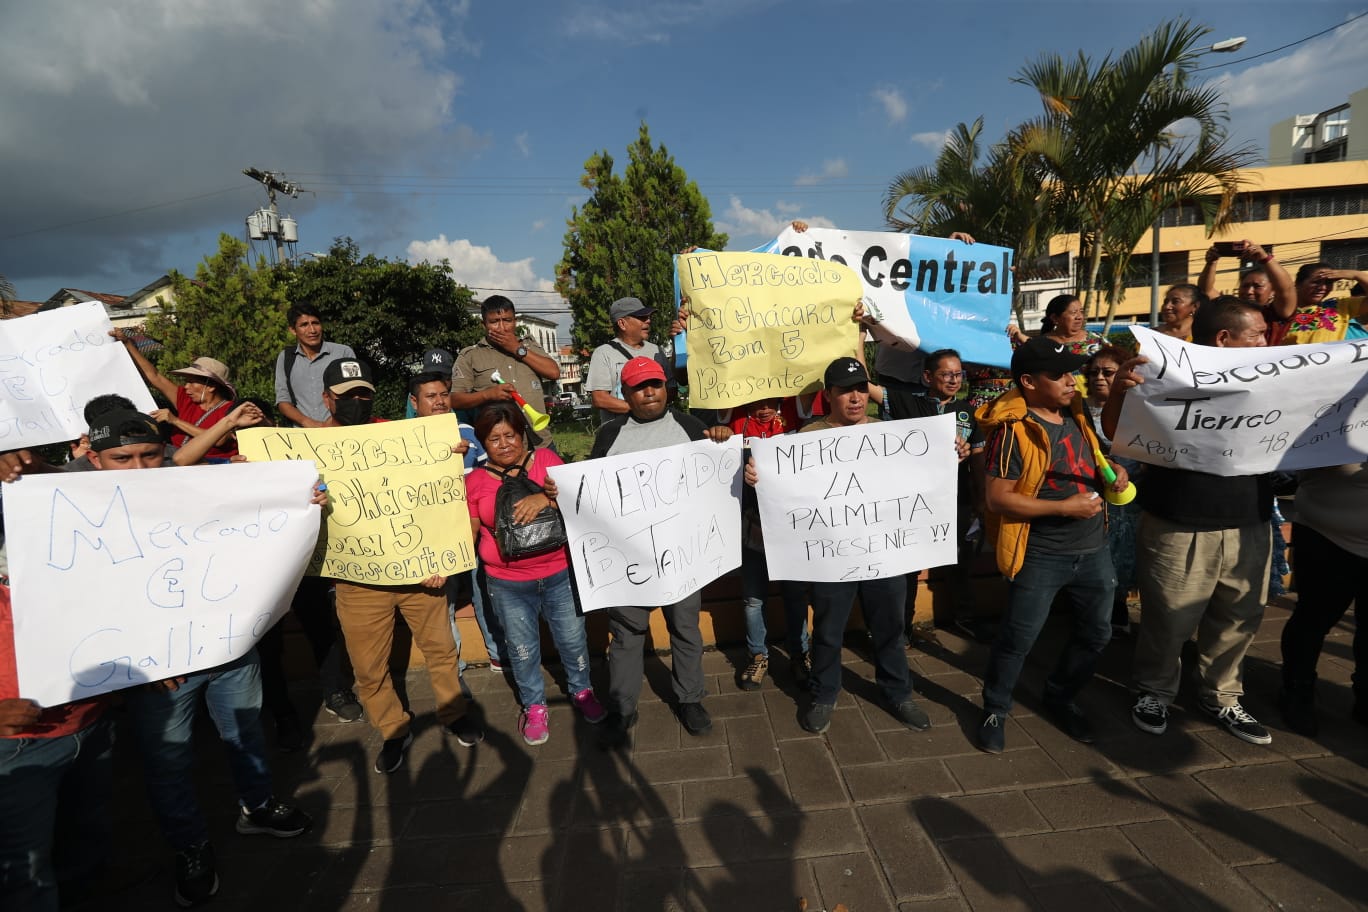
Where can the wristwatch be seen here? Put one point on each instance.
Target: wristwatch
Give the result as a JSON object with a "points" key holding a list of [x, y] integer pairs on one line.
{"points": [[521, 352]]}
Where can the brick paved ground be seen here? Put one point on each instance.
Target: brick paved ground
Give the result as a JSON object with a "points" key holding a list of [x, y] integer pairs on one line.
{"points": [[760, 813]]}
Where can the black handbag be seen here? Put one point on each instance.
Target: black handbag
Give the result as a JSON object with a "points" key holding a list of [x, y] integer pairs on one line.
{"points": [[545, 532]]}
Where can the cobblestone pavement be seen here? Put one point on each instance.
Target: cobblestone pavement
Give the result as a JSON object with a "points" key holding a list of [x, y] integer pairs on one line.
{"points": [[759, 814]]}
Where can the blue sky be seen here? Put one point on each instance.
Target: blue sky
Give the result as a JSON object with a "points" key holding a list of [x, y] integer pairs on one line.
{"points": [[430, 129]]}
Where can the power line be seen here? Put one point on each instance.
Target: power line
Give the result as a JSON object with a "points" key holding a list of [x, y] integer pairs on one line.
{"points": [[1217, 66]]}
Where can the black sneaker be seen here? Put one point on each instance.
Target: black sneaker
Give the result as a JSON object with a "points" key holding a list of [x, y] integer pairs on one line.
{"points": [[1149, 715], [467, 730], [1071, 721], [992, 734], [695, 718], [392, 753], [1238, 722], [274, 818], [614, 731], [196, 879], [817, 719], [344, 705], [910, 714]]}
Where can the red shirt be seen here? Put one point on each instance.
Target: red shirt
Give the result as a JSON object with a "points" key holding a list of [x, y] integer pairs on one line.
{"points": [[55, 721], [481, 489], [192, 412]]}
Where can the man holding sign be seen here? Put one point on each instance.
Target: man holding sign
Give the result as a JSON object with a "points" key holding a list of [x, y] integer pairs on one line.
{"points": [[881, 598], [650, 424], [1203, 549]]}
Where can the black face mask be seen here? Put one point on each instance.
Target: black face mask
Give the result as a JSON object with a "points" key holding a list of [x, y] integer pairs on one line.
{"points": [[352, 411]]}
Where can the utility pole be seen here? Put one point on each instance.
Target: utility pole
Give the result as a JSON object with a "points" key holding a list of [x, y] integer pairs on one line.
{"points": [[274, 183]]}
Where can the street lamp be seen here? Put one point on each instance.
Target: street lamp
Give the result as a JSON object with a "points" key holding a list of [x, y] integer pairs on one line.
{"points": [[1227, 46]]}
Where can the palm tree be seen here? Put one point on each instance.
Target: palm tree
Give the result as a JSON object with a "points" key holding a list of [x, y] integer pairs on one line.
{"points": [[998, 200], [6, 289], [1103, 123]]}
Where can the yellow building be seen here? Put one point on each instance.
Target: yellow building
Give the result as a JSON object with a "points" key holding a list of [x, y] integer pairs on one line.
{"points": [[1312, 210]]}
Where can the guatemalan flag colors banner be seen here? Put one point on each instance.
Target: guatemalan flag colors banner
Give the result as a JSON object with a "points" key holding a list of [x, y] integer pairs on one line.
{"points": [[929, 293]]}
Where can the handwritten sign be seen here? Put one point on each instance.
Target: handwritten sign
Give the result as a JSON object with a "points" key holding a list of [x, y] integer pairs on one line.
{"points": [[764, 326], [650, 528], [929, 293], [865, 502], [126, 577], [397, 500], [1245, 411], [53, 363]]}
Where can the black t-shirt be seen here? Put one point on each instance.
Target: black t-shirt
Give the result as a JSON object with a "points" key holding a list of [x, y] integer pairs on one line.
{"points": [[1072, 470], [1207, 503], [966, 429]]}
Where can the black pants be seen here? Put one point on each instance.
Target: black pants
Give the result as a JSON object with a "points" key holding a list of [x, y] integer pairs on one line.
{"points": [[881, 600], [313, 606], [1328, 579]]}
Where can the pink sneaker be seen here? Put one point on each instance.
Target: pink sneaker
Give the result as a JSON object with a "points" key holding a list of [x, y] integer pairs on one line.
{"points": [[533, 724], [589, 706]]}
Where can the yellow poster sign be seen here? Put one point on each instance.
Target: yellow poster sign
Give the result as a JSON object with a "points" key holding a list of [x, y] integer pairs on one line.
{"points": [[762, 325], [396, 497]]}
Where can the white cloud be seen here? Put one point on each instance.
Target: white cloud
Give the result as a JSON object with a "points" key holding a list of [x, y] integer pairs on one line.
{"points": [[641, 23], [524, 147], [786, 208], [931, 140], [832, 169], [739, 221], [481, 269], [539, 224], [895, 106], [162, 100]]}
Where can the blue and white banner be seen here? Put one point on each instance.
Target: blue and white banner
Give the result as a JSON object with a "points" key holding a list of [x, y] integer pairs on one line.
{"points": [[926, 292]]}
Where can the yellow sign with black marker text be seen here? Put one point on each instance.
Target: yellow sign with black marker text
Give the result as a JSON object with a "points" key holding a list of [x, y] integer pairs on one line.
{"points": [[396, 510], [762, 325]]}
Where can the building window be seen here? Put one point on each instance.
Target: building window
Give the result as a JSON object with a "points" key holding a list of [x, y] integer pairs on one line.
{"points": [[1350, 253], [1320, 203], [1251, 207], [1182, 215]]}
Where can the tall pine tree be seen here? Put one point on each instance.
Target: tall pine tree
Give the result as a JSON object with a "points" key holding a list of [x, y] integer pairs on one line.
{"points": [[621, 242]]}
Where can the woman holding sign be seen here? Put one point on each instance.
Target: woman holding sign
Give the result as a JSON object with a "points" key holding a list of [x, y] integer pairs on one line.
{"points": [[531, 585]]}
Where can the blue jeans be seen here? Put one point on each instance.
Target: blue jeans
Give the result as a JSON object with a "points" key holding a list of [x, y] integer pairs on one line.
{"points": [[754, 587], [163, 723], [519, 604], [486, 615], [881, 602], [1090, 582], [54, 813]]}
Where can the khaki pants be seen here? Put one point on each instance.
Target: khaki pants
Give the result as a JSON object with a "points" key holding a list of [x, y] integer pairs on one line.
{"points": [[1212, 583], [366, 614]]}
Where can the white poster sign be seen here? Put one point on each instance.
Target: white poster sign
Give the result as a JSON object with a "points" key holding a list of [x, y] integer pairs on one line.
{"points": [[125, 577], [1245, 411], [53, 363], [865, 502], [650, 528]]}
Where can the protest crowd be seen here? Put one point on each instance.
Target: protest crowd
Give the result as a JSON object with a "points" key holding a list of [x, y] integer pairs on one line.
{"points": [[1034, 486]]}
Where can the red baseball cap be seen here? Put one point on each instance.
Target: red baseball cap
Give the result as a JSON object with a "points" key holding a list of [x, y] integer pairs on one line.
{"points": [[639, 370]]}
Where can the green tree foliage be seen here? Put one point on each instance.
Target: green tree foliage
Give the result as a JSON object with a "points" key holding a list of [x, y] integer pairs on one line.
{"points": [[1116, 141], [622, 241], [232, 311], [982, 192], [388, 311]]}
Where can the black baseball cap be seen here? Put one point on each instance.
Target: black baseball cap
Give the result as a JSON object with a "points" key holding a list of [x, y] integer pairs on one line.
{"points": [[122, 427], [845, 372], [437, 361], [346, 374], [1042, 355]]}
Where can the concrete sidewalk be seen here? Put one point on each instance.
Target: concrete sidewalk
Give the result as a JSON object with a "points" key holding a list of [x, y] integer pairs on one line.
{"points": [[759, 814]]}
